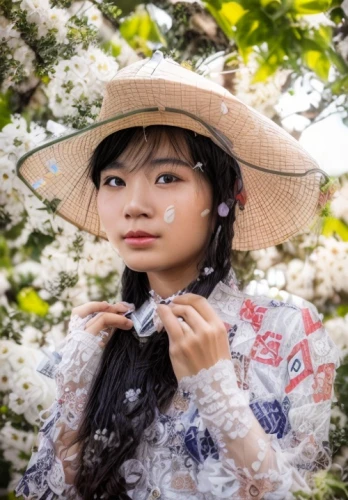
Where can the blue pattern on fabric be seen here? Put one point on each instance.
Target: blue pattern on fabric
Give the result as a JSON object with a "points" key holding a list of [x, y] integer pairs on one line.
{"points": [[36, 474], [273, 416]]}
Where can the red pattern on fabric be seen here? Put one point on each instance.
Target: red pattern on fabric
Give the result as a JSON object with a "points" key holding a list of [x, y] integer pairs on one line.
{"points": [[266, 348], [309, 325], [323, 381], [252, 313], [299, 358]]}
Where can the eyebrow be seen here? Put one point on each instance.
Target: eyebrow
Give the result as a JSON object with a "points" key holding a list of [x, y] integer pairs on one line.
{"points": [[119, 165]]}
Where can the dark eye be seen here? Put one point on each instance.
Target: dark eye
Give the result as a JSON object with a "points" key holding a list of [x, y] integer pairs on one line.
{"points": [[170, 176], [108, 179]]}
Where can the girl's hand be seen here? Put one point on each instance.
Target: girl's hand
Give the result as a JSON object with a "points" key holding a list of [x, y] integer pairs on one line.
{"points": [[106, 317], [199, 345]]}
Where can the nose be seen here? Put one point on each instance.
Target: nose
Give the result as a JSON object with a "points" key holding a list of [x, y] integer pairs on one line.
{"points": [[138, 199]]}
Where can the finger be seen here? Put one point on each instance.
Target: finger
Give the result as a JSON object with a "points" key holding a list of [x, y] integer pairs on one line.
{"points": [[91, 307], [201, 305], [106, 320], [191, 317], [170, 323]]}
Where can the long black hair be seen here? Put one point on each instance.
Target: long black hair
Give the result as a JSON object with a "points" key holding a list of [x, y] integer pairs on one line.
{"points": [[110, 430]]}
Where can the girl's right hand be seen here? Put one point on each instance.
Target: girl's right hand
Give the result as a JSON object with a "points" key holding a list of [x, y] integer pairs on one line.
{"points": [[101, 316]]}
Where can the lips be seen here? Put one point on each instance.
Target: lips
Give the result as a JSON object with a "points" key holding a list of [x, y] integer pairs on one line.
{"points": [[139, 234]]}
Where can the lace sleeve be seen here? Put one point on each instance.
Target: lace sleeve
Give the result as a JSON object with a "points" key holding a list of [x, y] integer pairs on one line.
{"points": [[51, 469], [253, 463]]}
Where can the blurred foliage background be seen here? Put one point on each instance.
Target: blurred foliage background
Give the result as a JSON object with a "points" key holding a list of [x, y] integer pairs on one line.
{"points": [[286, 58]]}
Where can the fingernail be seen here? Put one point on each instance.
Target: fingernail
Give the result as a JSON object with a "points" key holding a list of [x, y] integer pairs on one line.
{"points": [[129, 304]]}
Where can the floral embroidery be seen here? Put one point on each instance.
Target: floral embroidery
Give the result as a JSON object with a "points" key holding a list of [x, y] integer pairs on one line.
{"points": [[132, 395]]}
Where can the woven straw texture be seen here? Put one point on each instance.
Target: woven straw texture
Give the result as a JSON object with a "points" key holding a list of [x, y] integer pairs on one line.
{"points": [[281, 180]]}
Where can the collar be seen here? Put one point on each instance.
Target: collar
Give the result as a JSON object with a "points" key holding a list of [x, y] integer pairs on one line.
{"points": [[146, 320]]}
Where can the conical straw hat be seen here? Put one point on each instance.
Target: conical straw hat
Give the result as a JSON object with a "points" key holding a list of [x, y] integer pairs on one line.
{"points": [[281, 180]]}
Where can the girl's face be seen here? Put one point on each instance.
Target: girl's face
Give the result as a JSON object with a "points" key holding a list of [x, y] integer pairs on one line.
{"points": [[167, 198]]}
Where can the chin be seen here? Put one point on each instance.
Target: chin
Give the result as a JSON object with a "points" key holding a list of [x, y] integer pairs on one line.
{"points": [[145, 265]]}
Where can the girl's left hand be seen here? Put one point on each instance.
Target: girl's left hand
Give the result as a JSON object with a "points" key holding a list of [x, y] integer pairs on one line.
{"points": [[200, 345]]}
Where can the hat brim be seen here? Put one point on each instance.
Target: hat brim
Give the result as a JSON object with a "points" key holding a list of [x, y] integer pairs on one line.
{"points": [[281, 180]]}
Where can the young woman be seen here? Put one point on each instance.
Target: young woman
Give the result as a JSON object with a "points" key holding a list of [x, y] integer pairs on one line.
{"points": [[189, 388]]}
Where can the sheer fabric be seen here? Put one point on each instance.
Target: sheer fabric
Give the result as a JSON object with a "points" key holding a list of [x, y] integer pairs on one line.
{"points": [[52, 468], [253, 426]]}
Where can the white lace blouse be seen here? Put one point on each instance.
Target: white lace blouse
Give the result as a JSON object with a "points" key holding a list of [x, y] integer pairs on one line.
{"points": [[255, 426]]}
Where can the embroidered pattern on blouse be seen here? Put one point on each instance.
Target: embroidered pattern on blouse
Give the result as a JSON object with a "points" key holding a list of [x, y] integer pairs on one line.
{"points": [[253, 426]]}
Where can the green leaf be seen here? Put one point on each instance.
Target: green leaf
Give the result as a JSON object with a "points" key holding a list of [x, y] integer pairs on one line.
{"points": [[35, 244], [139, 29], [337, 15], [342, 310], [332, 226], [29, 301], [270, 65], [315, 58], [227, 16], [5, 257], [221, 20], [253, 29], [310, 6], [50, 205], [233, 12], [216, 4], [267, 3], [111, 48], [323, 36], [338, 61], [340, 86], [5, 109]]}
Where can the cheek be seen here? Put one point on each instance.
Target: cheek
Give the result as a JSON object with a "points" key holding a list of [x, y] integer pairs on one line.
{"points": [[105, 207]]}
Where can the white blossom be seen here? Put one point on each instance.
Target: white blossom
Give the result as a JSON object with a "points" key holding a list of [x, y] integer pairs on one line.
{"points": [[339, 205], [89, 70], [47, 18], [86, 8], [16, 132], [31, 337], [22, 53], [5, 376], [266, 257], [262, 96], [11, 437], [338, 331], [299, 278]]}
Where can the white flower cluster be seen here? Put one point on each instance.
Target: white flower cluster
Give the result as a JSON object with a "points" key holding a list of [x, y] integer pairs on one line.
{"points": [[319, 278], [46, 18], [27, 392], [21, 53], [82, 77], [14, 442], [15, 196], [338, 330], [89, 10], [339, 204], [262, 96]]}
